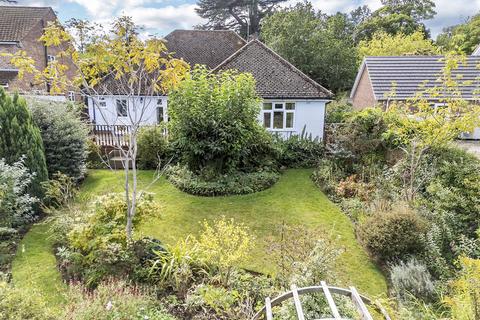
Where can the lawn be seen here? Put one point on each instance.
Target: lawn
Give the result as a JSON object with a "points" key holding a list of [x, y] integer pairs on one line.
{"points": [[294, 200], [35, 266]]}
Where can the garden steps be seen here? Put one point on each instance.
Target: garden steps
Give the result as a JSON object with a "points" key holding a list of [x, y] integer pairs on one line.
{"points": [[116, 160]]}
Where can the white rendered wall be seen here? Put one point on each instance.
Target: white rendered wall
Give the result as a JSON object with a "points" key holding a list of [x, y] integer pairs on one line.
{"points": [[309, 114]]}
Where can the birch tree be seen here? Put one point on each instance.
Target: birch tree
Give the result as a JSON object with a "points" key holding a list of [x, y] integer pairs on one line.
{"points": [[117, 63]]}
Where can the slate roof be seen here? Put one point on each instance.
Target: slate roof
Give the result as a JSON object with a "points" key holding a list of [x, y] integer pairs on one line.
{"points": [[276, 78], [407, 75], [208, 47], [17, 21]]}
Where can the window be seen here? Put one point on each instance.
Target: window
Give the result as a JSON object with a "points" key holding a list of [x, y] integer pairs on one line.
{"points": [[160, 111], [71, 96], [50, 58], [4, 84], [102, 102], [278, 115], [122, 110]]}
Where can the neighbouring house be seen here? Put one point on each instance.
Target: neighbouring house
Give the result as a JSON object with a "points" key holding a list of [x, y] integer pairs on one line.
{"points": [[381, 80], [20, 29], [292, 102]]}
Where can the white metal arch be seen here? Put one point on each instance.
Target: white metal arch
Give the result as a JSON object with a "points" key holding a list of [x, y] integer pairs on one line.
{"points": [[360, 302]]}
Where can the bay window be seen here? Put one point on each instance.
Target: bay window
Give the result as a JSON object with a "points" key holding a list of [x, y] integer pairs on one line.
{"points": [[278, 115]]}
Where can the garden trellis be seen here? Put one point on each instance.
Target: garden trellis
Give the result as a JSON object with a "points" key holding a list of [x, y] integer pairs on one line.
{"points": [[360, 302]]}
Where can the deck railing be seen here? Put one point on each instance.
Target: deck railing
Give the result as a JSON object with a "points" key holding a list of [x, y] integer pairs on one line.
{"points": [[110, 135]]}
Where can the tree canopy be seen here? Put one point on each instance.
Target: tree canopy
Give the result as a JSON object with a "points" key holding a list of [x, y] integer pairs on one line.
{"points": [[397, 16], [462, 38], [244, 16], [320, 45], [384, 44]]}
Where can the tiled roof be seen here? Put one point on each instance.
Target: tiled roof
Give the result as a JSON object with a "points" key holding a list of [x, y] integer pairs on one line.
{"points": [[407, 75], [204, 47], [17, 21], [276, 78]]}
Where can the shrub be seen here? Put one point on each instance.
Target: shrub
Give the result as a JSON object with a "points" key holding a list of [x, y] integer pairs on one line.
{"points": [[98, 245], [213, 120], [59, 191], [228, 184], [114, 300], [301, 151], [320, 265], [290, 246], [224, 244], [94, 159], [393, 235], [361, 137], [152, 148], [350, 187], [16, 304], [20, 136], [455, 188], [16, 205], [327, 175], [412, 278], [178, 267], [338, 111], [64, 136], [464, 299], [218, 299]]}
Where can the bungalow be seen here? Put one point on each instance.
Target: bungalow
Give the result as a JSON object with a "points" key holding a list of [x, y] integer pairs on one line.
{"points": [[20, 29], [292, 102], [382, 80]]}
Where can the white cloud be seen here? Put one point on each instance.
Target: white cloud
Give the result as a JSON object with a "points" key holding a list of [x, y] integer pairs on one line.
{"points": [[166, 18], [449, 12]]}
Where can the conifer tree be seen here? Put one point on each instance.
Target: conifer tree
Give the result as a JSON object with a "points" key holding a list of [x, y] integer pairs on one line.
{"points": [[20, 137]]}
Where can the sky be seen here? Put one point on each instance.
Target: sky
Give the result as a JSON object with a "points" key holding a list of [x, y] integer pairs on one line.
{"points": [[159, 17]]}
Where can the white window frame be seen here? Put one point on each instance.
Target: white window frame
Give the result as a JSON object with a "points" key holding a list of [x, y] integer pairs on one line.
{"points": [[126, 107], [102, 102], [51, 58], [71, 96], [4, 85], [159, 105], [284, 110]]}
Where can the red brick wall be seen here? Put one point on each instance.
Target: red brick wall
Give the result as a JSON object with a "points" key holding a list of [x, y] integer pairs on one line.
{"points": [[364, 97], [37, 51]]}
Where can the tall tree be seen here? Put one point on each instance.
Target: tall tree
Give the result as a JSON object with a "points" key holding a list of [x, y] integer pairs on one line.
{"points": [[244, 16], [319, 45], [20, 137], [397, 16], [462, 38]]}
